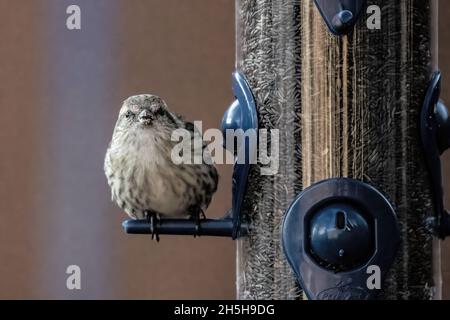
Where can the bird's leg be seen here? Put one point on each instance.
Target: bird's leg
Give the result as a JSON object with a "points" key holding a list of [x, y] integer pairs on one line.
{"points": [[197, 215], [153, 220], [202, 214], [197, 225]]}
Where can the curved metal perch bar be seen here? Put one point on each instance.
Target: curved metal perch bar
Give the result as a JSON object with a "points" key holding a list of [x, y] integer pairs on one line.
{"points": [[208, 227]]}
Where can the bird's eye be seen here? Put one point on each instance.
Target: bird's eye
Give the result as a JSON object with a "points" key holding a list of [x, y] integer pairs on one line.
{"points": [[129, 114], [160, 112]]}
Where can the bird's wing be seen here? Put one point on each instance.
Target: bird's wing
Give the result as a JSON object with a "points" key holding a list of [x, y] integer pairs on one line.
{"points": [[189, 126]]}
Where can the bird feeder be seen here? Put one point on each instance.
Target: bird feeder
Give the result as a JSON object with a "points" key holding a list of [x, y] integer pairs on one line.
{"points": [[361, 131]]}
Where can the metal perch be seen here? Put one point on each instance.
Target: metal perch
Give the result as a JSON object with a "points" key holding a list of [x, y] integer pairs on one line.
{"points": [[207, 227]]}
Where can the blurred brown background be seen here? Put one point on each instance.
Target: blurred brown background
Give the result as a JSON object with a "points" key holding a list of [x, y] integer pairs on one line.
{"points": [[60, 93]]}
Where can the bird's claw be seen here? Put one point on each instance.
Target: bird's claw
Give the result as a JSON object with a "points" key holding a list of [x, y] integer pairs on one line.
{"points": [[153, 220], [198, 219], [197, 227]]}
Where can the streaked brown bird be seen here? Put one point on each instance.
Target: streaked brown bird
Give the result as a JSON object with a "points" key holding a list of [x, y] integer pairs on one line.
{"points": [[144, 180]]}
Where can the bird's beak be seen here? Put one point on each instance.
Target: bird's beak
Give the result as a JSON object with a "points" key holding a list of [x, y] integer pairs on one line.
{"points": [[145, 117]]}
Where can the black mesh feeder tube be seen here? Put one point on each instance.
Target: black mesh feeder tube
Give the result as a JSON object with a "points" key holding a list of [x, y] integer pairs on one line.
{"points": [[355, 109], [354, 209]]}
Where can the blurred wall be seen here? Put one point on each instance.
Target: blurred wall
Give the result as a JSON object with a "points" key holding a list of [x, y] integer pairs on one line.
{"points": [[444, 65], [59, 97]]}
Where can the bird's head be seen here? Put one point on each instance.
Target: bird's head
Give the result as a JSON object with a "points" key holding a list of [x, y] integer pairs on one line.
{"points": [[145, 111]]}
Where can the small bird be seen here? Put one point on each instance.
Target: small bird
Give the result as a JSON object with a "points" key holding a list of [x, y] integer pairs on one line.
{"points": [[144, 180]]}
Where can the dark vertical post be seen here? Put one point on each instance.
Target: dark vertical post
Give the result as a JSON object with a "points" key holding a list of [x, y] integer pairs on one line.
{"points": [[345, 106]]}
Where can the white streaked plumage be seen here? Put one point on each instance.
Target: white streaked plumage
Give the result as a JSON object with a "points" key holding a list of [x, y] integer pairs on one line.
{"points": [[139, 168]]}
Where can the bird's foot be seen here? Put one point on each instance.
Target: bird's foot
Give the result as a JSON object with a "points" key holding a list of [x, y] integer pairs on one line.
{"points": [[153, 220], [198, 217], [196, 220], [202, 214]]}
